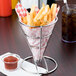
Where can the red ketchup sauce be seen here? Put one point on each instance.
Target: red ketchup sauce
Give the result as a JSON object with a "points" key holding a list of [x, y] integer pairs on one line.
{"points": [[10, 62]]}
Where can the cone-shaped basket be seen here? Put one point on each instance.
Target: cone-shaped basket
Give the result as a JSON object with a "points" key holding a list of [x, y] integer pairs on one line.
{"points": [[37, 38]]}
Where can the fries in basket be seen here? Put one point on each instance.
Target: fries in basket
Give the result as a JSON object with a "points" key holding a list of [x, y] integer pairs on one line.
{"points": [[41, 17]]}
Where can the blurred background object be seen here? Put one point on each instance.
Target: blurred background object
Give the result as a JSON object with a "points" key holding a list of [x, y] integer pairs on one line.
{"points": [[28, 3], [14, 2], [5, 8], [69, 23], [49, 2]]}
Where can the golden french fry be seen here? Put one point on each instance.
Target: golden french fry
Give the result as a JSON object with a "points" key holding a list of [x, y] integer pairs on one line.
{"points": [[49, 16], [33, 13], [53, 10], [32, 9], [39, 13], [29, 20], [37, 23], [46, 18], [43, 5], [43, 23], [24, 19], [45, 12]]}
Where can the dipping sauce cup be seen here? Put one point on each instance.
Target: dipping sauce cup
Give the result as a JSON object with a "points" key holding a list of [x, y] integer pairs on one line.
{"points": [[11, 61]]}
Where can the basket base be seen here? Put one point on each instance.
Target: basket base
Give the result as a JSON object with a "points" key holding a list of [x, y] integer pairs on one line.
{"points": [[38, 69]]}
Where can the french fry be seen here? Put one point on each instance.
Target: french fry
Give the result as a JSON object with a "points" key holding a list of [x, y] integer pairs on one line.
{"points": [[46, 18], [45, 12], [49, 16], [24, 19], [43, 5], [33, 13], [53, 10], [39, 13], [29, 20], [37, 23], [43, 22]]}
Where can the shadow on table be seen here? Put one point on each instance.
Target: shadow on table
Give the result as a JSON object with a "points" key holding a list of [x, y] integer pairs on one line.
{"points": [[68, 48]]}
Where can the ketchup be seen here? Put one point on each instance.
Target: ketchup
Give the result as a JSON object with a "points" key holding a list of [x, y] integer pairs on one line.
{"points": [[10, 62]]}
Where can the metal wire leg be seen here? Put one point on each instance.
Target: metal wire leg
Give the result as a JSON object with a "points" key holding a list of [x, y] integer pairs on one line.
{"points": [[36, 67], [45, 64]]}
